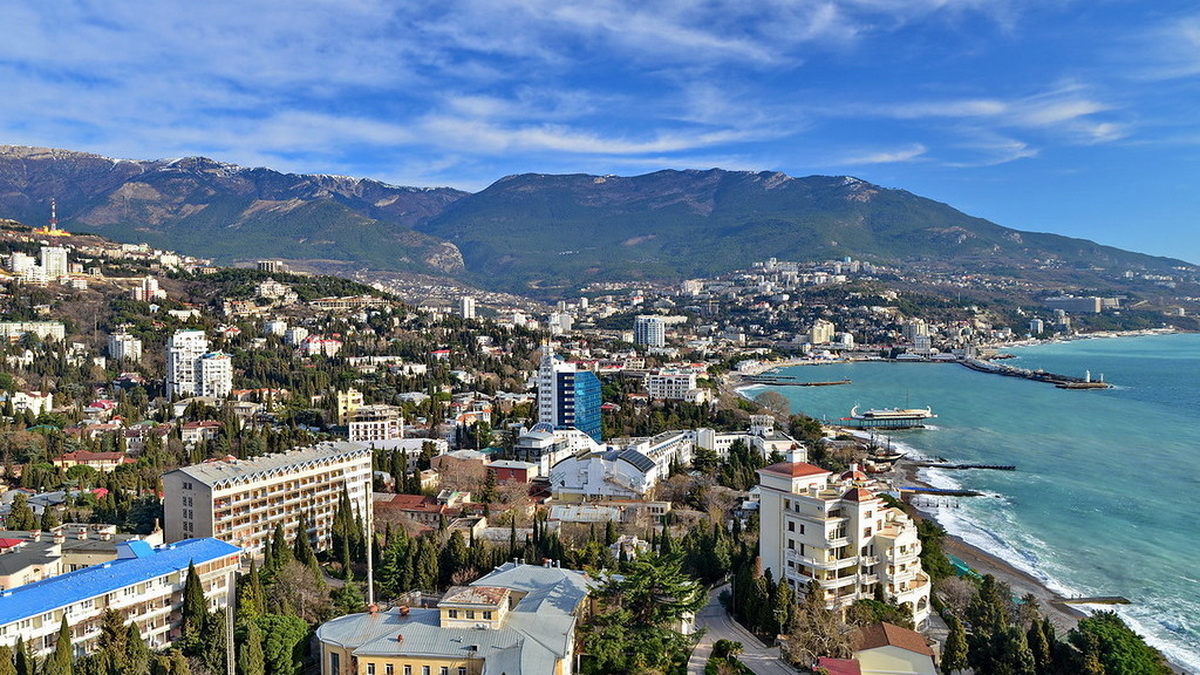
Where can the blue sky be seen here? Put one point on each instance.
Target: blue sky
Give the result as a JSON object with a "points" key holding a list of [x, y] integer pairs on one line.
{"points": [[1077, 117]]}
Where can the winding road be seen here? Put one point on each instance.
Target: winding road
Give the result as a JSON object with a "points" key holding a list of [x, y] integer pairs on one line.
{"points": [[718, 625]]}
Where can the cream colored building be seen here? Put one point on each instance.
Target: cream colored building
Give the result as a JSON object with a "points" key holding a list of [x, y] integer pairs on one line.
{"points": [[517, 620], [835, 530], [375, 423], [347, 402], [242, 501]]}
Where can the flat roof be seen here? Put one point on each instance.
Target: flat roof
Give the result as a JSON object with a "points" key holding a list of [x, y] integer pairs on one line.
{"points": [[227, 471], [66, 589]]}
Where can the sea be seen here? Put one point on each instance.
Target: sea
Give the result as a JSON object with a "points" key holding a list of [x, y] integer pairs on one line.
{"points": [[1106, 496]]}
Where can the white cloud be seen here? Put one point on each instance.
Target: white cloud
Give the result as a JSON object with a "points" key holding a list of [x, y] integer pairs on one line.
{"points": [[905, 154]]}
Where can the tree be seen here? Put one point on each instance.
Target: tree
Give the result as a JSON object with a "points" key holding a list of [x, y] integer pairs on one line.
{"points": [[774, 402], [61, 659], [21, 516], [954, 653], [251, 660], [24, 660], [281, 633], [195, 612], [7, 667], [137, 654], [819, 631], [1120, 650]]}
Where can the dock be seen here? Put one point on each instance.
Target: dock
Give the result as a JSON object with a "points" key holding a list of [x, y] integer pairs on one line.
{"points": [[948, 465], [942, 492], [789, 383], [1060, 381], [1097, 600]]}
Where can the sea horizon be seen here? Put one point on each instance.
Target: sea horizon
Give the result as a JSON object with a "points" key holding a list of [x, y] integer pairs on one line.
{"points": [[1102, 475]]}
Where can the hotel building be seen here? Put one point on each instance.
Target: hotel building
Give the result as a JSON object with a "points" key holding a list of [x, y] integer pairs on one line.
{"points": [[144, 582], [568, 398], [836, 531], [242, 501]]}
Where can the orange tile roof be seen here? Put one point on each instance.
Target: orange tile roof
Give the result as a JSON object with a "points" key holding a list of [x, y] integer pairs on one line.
{"points": [[885, 634], [795, 469]]}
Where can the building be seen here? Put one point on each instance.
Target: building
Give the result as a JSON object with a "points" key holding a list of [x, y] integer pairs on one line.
{"points": [[184, 349], [568, 398], [347, 402], [836, 531], [216, 375], [270, 266], [54, 262], [143, 582], [821, 332], [34, 401], [1074, 305], [1037, 326], [914, 328], [629, 471], [100, 461], [650, 331], [242, 501], [673, 385], [46, 330], [124, 347], [517, 620], [886, 649], [148, 291], [376, 423], [466, 307]]}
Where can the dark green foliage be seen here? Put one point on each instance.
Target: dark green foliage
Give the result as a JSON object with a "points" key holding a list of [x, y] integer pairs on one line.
{"points": [[7, 667], [933, 557], [282, 635], [251, 660], [866, 612], [61, 659], [1119, 649], [954, 652], [740, 470], [195, 613], [21, 517]]}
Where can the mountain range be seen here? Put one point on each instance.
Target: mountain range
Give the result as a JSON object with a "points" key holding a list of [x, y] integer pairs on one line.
{"points": [[529, 233]]}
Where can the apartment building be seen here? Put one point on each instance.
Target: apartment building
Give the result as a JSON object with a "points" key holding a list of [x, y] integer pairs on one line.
{"points": [[242, 500], [836, 531], [674, 385], [144, 582], [124, 347], [376, 423]]}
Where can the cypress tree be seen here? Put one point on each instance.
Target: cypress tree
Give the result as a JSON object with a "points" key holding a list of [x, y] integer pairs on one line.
{"points": [[302, 546], [23, 662], [250, 652], [954, 652], [137, 654], [1040, 646], [195, 612], [60, 661]]}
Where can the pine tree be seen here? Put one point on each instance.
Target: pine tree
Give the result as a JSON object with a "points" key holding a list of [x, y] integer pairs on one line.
{"points": [[49, 519], [20, 515], [250, 652], [195, 613], [137, 654], [23, 662], [1040, 646]]}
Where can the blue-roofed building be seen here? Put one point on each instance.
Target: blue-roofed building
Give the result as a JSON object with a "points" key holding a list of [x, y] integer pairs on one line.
{"points": [[144, 582]]}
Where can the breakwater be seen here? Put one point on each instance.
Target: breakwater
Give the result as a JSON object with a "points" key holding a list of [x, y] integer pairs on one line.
{"points": [[1060, 381]]}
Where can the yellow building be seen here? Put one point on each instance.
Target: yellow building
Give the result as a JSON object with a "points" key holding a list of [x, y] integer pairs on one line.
{"points": [[519, 619]]}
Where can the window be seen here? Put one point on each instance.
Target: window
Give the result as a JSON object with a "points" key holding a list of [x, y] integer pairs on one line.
{"points": [[487, 615], [791, 526], [335, 663], [389, 669], [424, 670], [454, 614], [370, 669], [407, 670], [444, 670], [470, 614], [791, 544]]}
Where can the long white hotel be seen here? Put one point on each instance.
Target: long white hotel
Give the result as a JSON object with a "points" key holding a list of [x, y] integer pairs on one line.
{"points": [[241, 501], [837, 531], [144, 582]]}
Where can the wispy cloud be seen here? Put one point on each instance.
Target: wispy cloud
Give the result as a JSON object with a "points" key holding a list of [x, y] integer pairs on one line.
{"points": [[891, 156]]}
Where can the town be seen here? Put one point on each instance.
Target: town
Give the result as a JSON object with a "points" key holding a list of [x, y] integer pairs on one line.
{"points": [[265, 471]]}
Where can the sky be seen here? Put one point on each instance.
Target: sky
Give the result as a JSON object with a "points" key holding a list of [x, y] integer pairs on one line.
{"points": [[1080, 117]]}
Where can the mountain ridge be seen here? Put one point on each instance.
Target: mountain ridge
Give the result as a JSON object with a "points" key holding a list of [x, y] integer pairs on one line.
{"points": [[530, 232]]}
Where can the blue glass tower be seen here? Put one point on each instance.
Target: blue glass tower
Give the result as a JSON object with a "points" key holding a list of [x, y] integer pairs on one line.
{"points": [[579, 402]]}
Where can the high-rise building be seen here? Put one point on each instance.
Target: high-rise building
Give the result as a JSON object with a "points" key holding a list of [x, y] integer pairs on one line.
{"points": [[650, 331], [1037, 326], [568, 398], [821, 332], [837, 532], [54, 262], [194, 371], [914, 328], [242, 501], [184, 350], [466, 307], [375, 423], [124, 347]]}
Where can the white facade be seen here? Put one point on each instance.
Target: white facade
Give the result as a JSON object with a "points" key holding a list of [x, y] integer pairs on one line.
{"points": [[19, 263], [184, 349], [54, 262], [675, 386], [216, 375], [124, 347], [241, 501], [14, 330], [650, 331], [466, 307], [836, 531], [375, 423]]}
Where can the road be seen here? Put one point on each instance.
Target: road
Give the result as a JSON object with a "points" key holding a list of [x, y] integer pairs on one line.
{"points": [[758, 657]]}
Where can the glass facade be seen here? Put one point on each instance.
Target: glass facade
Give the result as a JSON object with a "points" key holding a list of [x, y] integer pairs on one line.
{"points": [[579, 402]]}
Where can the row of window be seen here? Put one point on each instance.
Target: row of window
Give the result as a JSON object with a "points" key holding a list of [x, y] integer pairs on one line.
{"points": [[389, 669]]}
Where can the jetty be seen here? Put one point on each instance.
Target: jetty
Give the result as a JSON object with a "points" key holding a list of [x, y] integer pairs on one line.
{"points": [[1060, 381], [1096, 600], [948, 465], [780, 382], [942, 492]]}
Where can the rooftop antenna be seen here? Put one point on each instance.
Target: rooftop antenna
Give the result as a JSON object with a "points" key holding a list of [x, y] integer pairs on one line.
{"points": [[53, 214]]}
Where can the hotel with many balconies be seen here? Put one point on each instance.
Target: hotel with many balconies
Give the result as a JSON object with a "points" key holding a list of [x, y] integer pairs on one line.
{"points": [[241, 501], [834, 530]]}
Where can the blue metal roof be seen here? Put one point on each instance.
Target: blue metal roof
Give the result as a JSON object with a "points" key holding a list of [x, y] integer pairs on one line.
{"points": [[140, 564]]}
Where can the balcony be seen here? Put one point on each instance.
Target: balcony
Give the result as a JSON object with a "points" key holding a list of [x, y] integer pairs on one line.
{"points": [[823, 563], [838, 582]]}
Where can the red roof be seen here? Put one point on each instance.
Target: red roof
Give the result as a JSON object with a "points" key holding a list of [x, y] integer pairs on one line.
{"points": [[795, 469], [9, 543], [858, 495], [839, 666], [885, 634]]}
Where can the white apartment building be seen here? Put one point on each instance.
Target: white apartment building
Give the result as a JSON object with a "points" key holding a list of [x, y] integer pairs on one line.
{"points": [[466, 307], [675, 385], [375, 423], [54, 262], [216, 375], [124, 347], [15, 330], [241, 501], [184, 349], [762, 436], [19, 263], [821, 332], [650, 331], [835, 530], [144, 582]]}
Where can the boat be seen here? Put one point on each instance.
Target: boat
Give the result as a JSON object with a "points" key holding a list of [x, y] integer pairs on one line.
{"points": [[899, 414]]}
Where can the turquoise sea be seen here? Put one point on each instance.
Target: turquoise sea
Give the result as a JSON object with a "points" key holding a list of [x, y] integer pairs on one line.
{"points": [[1105, 498]]}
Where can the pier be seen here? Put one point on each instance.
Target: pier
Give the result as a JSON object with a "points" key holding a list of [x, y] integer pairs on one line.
{"points": [[941, 492], [1060, 381], [789, 382], [948, 465]]}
